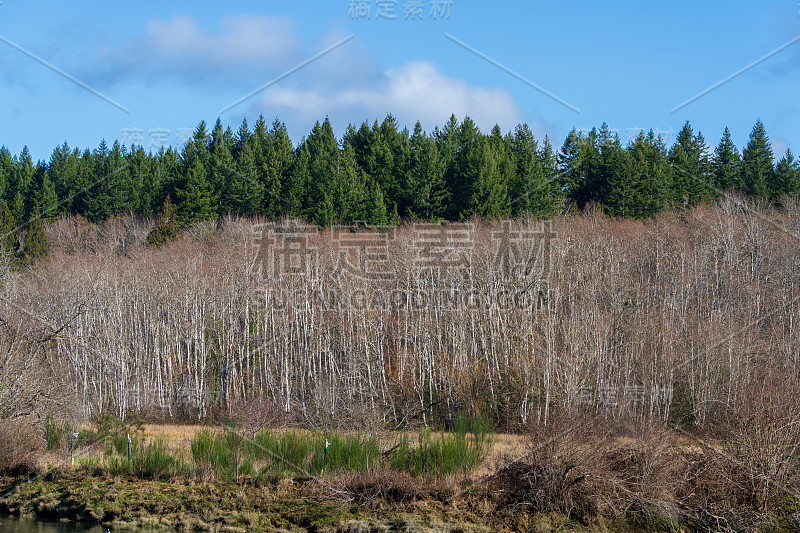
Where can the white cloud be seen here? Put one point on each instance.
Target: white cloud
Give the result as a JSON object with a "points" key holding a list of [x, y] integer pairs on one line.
{"points": [[242, 40], [242, 48], [349, 84], [415, 91]]}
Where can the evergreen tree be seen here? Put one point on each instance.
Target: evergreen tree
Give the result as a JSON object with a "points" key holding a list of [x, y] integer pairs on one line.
{"points": [[643, 174], [222, 179], [323, 166], [454, 173], [80, 192], [242, 136], [549, 196], [259, 142], [377, 214], [489, 189], [464, 171], [757, 163], [447, 146], [168, 174], [144, 180], [351, 188], [107, 186], [602, 169], [6, 172], [63, 172], [118, 186], [277, 169], [657, 178], [363, 142], [396, 159], [294, 189], [166, 227], [97, 198], [247, 194], [787, 176], [501, 154], [42, 196], [691, 177], [227, 184], [427, 194], [9, 243], [726, 163], [199, 146], [572, 168], [217, 176], [20, 185], [324, 213], [527, 181], [592, 167], [623, 194], [380, 155], [193, 196], [35, 247], [17, 207], [394, 217]]}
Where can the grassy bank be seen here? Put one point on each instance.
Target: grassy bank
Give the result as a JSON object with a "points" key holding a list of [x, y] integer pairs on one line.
{"points": [[226, 453], [575, 473], [379, 502]]}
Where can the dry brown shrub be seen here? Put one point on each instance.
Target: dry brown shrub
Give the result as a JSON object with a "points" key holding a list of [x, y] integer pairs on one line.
{"points": [[647, 466], [390, 486], [758, 466], [561, 471], [20, 447], [587, 466]]}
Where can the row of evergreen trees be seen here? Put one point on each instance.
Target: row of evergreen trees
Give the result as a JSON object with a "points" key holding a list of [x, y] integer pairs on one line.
{"points": [[381, 174]]}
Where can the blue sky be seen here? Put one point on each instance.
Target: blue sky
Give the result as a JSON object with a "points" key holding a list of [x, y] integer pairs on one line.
{"points": [[172, 64]]}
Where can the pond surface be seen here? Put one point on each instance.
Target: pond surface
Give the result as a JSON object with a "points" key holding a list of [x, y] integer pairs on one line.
{"points": [[10, 524]]}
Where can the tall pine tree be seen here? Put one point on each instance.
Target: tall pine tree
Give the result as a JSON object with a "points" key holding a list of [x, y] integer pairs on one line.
{"points": [[726, 163], [193, 195], [757, 163], [489, 188], [35, 247], [9, 242], [351, 189], [277, 169], [787, 176], [427, 194], [692, 180], [42, 195], [166, 226], [247, 193]]}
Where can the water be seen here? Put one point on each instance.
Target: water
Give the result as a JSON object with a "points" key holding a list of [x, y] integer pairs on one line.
{"points": [[10, 524]]}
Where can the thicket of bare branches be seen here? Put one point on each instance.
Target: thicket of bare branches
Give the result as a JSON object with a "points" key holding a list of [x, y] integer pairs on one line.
{"points": [[19, 446], [760, 427], [32, 378], [584, 466], [658, 319]]}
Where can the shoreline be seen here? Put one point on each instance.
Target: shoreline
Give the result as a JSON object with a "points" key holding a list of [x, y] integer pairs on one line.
{"points": [[290, 505], [302, 506]]}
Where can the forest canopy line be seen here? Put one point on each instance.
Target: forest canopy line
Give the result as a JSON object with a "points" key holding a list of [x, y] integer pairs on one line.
{"points": [[380, 174]]}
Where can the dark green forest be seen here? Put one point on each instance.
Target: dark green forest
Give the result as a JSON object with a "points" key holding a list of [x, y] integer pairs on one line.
{"points": [[380, 174]]}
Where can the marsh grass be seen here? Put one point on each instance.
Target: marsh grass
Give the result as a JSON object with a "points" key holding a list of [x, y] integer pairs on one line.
{"points": [[355, 453], [278, 454], [291, 453], [445, 453], [284, 454], [55, 432], [153, 461]]}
